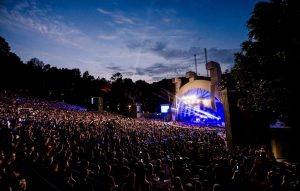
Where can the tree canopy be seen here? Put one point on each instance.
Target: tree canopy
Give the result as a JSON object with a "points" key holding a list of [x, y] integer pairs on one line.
{"points": [[265, 68], [70, 85]]}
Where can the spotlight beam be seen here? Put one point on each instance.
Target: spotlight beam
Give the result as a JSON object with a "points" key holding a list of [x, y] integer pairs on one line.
{"points": [[207, 114]]}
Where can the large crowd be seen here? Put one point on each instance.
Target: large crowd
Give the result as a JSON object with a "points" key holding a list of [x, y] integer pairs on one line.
{"points": [[48, 145]]}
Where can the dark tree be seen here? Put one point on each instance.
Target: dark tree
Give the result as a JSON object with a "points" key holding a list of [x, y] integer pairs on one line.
{"points": [[11, 67], [4, 47], [265, 69]]}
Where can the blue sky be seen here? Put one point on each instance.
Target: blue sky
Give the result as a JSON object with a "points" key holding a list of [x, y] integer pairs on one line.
{"points": [[142, 39]]}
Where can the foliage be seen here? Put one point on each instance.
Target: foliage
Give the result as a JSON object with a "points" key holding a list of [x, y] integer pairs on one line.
{"points": [[265, 67], [39, 79]]}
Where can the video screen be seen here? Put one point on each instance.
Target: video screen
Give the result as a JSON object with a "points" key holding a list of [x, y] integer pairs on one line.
{"points": [[164, 108]]}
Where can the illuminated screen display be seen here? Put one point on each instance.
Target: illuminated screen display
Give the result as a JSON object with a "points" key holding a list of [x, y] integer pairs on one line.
{"points": [[164, 108], [195, 107]]}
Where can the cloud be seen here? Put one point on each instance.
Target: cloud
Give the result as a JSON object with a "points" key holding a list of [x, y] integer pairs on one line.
{"points": [[115, 68], [118, 16], [219, 55], [166, 20], [28, 16], [164, 69], [222, 55], [157, 68], [161, 48], [153, 46], [106, 37], [104, 12], [176, 62]]}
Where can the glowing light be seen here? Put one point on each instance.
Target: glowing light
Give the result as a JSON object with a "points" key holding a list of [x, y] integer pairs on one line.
{"points": [[190, 99], [164, 108], [206, 102], [195, 107]]}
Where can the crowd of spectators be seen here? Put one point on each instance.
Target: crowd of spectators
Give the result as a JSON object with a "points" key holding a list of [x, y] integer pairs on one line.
{"points": [[55, 146]]}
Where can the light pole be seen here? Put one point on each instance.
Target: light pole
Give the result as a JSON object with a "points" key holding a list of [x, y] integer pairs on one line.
{"points": [[196, 65]]}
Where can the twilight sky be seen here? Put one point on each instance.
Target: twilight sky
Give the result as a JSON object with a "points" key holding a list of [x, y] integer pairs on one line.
{"points": [[142, 39]]}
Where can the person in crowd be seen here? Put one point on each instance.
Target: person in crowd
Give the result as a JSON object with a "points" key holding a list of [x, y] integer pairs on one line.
{"points": [[75, 149]]}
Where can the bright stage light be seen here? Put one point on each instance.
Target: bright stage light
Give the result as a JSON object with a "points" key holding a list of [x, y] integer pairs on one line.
{"points": [[206, 102], [190, 100], [195, 107]]}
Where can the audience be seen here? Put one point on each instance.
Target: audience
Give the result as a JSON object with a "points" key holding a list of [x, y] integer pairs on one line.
{"points": [[55, 146]]}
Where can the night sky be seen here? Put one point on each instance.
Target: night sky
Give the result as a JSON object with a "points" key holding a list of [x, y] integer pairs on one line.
{"points": [[142, 39]]}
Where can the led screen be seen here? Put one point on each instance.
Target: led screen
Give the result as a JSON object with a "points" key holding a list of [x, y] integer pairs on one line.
{"points": [[164, 108]]}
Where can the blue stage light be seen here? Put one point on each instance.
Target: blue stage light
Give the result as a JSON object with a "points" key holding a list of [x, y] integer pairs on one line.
{"points": [[195, 107]]}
